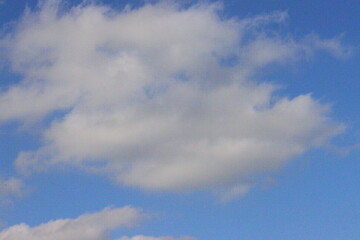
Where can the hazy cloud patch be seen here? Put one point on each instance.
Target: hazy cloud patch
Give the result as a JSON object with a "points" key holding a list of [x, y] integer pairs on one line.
{"points": [[10, 187]]}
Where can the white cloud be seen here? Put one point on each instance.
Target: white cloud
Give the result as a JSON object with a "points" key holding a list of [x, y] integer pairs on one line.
{"points": [[95, 226], [161, 97]]}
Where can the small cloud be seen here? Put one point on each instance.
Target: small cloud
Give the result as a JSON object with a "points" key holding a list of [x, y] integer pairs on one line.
{"points": [[11, 187], [230, 193]]}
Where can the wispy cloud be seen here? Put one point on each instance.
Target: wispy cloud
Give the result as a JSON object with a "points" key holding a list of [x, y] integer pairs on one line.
{"points": [[141, 237], [11, 187]]}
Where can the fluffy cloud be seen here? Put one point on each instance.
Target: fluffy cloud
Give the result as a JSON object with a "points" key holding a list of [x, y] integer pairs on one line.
{"points": [[161, 97], [95, 226]]}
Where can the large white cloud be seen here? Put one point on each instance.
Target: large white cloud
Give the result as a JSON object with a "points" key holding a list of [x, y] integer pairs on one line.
{"points": [[161, 97], [95, 226]]}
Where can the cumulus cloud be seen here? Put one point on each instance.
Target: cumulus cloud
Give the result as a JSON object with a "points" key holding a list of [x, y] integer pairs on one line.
{"points": [[161, 97], [95, 226]]}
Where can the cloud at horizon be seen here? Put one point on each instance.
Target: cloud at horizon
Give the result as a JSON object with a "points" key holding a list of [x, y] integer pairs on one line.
{"points": [[90, 226], [161, 97]]}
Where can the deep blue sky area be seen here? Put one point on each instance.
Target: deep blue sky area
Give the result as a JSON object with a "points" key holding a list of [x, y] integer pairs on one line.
{"points": [[314, 196]]}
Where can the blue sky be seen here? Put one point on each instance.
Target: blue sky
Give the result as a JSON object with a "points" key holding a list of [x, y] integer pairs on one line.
{"points": [[234, 120]]}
